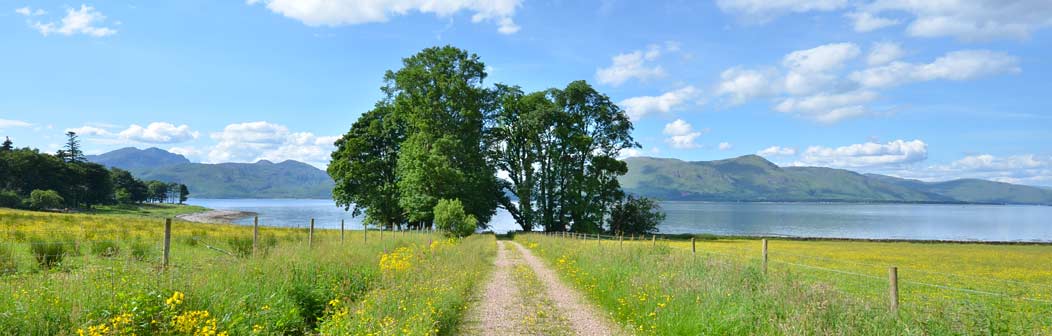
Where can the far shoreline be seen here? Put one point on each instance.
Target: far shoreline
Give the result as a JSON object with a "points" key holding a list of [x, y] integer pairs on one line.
{"points": [[216, 216]]}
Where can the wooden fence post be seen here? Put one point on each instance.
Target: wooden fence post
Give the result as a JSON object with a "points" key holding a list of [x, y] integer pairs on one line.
{"points": [[365, 232], [255, 235], [893, 288], [341, 231], [653, 238], [765, 256], [598, 241], [310, 234], [167, 240], [621, 240], [693, 246]]}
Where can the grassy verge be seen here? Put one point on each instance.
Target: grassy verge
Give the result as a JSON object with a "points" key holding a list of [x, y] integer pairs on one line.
{"points": [[148, 210], [665, 290], [539, 313], [108, 280]]}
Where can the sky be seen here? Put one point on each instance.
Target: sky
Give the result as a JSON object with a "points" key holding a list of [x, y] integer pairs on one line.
{"points": [[933, 90]]}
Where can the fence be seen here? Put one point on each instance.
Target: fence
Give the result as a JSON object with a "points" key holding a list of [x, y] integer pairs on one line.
{"points": [[861, 279]]}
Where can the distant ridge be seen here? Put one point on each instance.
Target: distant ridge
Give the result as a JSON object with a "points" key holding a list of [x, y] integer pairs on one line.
{"points": [[263, 179], [753, 178]]}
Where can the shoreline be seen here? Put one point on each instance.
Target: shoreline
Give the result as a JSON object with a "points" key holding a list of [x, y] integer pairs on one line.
{"points": [[215, 216]]}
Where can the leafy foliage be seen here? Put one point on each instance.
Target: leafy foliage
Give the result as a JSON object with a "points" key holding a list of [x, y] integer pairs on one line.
{"points": [[450, 217], [45, 199], [635, 215]]}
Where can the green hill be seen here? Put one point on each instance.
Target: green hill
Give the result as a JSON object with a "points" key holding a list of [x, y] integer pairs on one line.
{"points": [[263, 179], [753, 178]]}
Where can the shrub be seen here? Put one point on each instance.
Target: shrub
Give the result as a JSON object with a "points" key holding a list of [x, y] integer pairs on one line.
{"points": [[105, 248], [7, 260], [45, 199], [635, 215], [9, 199], [450, 217], [47, 253]]}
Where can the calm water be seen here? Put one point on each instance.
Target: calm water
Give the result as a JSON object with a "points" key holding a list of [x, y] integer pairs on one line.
{"points": [[898, 221]]}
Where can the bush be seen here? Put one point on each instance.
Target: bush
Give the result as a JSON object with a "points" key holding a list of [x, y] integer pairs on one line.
{"points": [[450, 217], [47, 253], [45, 199], [9, 199], [105, 248], [7, 260], [635, 216]]}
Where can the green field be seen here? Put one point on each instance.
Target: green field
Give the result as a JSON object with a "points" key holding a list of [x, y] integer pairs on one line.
{"points": [[110, 280], [811, 287]]}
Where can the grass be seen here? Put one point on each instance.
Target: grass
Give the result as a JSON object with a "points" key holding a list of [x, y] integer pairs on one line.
{"points": [[148, 210], [822, 288], [413, 284]]}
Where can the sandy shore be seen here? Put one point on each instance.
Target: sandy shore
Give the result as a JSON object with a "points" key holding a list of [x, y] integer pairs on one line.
{"points": [[216, 216]]}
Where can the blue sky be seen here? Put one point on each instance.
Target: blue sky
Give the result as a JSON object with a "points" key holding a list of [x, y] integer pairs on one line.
{"points": [[929, 90]]}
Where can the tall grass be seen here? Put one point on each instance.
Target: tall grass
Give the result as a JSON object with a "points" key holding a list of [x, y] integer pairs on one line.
{"points": [[664, 290], [208, 289]]}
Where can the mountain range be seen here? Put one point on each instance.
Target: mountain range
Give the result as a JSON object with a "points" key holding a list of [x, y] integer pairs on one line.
{"points": [[754, 179], [263, 179]]}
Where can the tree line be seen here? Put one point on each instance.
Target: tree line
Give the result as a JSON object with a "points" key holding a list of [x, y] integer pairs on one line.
{"points": [[35, 180], [439, 137]]}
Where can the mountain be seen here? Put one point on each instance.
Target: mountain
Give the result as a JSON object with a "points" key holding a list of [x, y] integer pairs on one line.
{"points": [[130, 158], [753, 178], [263, 179]]}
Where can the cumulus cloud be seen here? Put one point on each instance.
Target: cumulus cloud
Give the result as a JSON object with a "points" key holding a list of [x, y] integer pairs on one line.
{"points": [[741, 85], [763, 10], [811, 70], [957, 65], [681, 134], [88, 130], [1020, 169], [159, 133], [352, 12], [883, 53], [725, 146], [8, 123], [635, 65], [869, 154], [261, 140], [867, 22], [777, 151], [973, 20], [828, 107], [85, 20], [639, 107]]}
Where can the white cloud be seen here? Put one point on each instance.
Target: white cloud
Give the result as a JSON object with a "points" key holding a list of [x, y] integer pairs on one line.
{"points": [[1021, 169], [26, 11], [8, 123], [725, 146], [629, 152], [957, 65], [159, 133], [639, 107], [972, 20], [681, 134], [867, 22], [828, 107], [745, 84], [869, 154], [635, 64], [777, 151], [811, 70], [352, 12], [763, 10], [254, 141], [190, 153], [88, 130], [85, 20], [883, 53]]}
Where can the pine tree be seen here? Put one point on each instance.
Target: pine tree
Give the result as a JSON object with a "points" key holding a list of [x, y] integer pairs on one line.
{"points": [[72, 153], [7, 146]]}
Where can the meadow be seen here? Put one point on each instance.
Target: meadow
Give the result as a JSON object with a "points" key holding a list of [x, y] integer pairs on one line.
{"points": [[109, 279], [810, 287]]}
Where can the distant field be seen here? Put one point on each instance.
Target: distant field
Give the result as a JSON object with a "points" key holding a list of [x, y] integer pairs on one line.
{"points": [[110, 279], [148, 210], [812, 287]]}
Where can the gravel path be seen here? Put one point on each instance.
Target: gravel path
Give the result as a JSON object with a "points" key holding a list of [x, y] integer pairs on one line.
{"points": [[499, 310], [584, 319]]}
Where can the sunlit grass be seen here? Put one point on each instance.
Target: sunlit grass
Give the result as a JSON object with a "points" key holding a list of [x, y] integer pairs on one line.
{"points": [[288, 288], [824, 287]]}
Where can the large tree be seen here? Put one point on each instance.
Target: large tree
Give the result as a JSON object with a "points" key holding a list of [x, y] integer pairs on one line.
{"points": [[439, 94], [363, 166]]}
